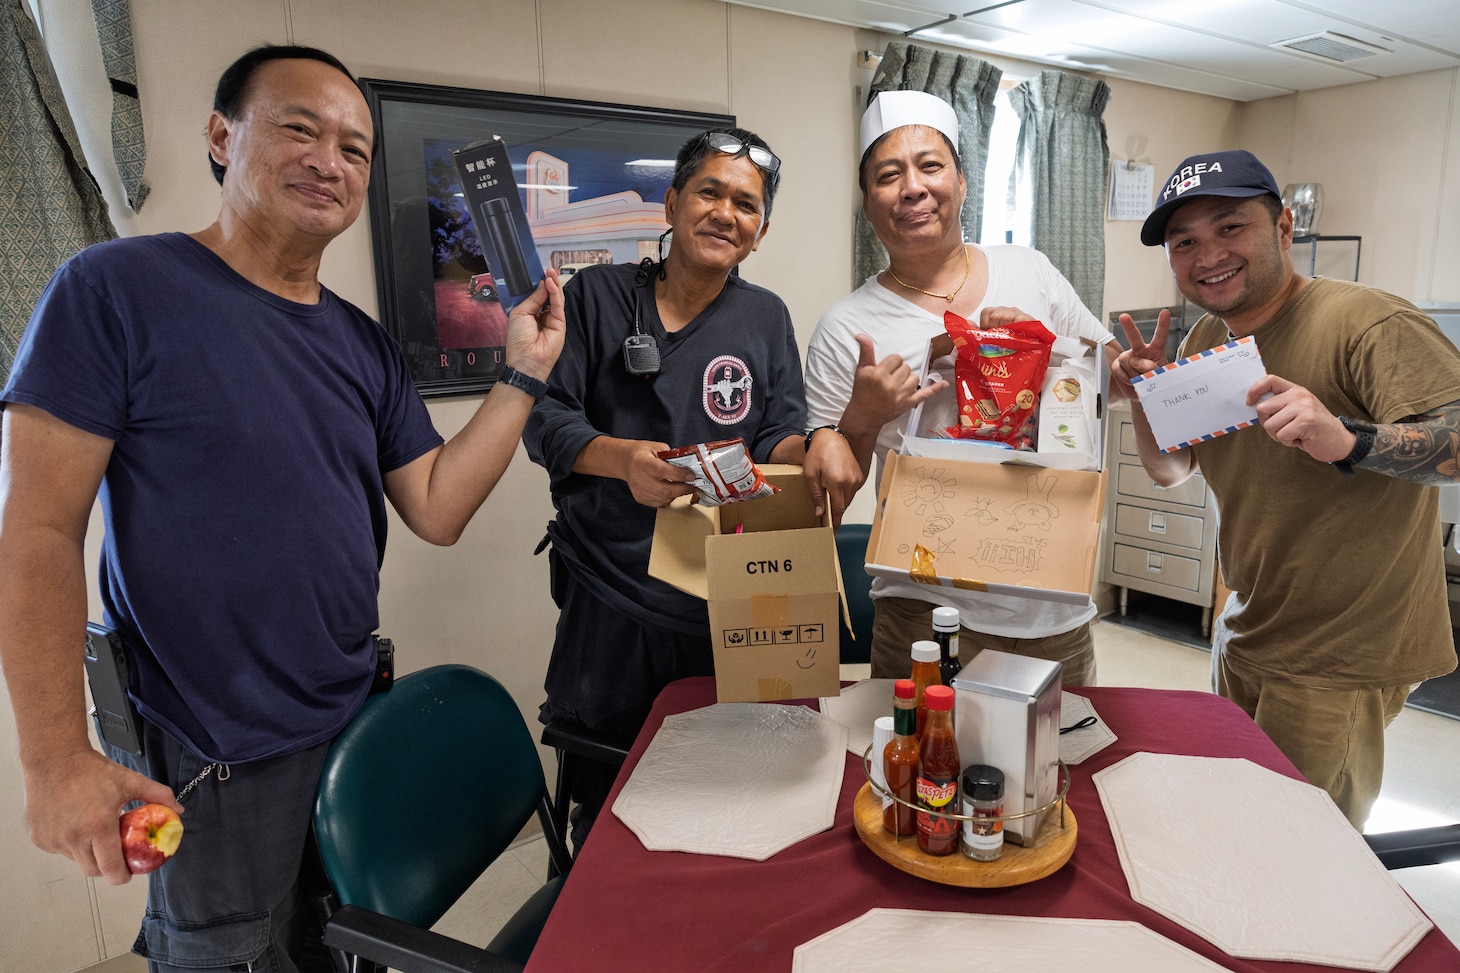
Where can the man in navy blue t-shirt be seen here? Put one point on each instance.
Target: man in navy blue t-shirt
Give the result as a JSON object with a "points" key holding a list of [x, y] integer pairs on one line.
{"points": [[244, 428]]}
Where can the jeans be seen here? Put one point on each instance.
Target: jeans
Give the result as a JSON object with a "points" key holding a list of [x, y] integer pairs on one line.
{"points": [[229, 898]]}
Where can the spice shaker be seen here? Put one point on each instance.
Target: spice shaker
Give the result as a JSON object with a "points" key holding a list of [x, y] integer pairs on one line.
{"points": [[983, 801]]}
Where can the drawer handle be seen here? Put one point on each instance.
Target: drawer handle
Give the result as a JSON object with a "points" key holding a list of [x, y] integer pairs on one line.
{"points": [[1158, 522], [1155, 563]]}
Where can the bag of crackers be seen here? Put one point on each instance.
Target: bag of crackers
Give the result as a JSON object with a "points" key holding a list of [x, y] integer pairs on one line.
{"points": [[724, 471], [998, 374]]}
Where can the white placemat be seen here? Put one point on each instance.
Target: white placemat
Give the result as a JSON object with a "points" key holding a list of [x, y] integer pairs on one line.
{"points": [[1262, 865], [738, 779], [1076, 745], [857, 708], [907, 941]]}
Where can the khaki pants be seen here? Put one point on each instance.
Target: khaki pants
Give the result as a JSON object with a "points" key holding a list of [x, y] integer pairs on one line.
{"points": [[1335, 737], [899, 622]]}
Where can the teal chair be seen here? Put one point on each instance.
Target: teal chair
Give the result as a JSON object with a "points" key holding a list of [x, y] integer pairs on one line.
{"points": [[851, 551], [424, 789]]}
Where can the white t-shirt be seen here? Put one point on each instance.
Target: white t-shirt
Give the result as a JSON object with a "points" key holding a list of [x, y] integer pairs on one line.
{"points": [[1018, 277]]}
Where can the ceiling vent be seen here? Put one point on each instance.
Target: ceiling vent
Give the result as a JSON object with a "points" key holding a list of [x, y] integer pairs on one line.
{"points": [[1331, 47]]}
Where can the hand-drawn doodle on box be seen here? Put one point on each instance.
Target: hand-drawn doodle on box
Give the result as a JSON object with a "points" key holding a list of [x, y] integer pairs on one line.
{"points": [[1037, 508], [979, 511], [924, 490]]}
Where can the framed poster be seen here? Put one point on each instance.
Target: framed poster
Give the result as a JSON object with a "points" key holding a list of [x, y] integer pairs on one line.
{"points": [[591, 177]]}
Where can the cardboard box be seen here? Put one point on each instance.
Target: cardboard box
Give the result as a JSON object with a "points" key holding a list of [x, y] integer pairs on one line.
{"points": [[941, 411], [1007, 715], [1004, 528], [768, 569]]}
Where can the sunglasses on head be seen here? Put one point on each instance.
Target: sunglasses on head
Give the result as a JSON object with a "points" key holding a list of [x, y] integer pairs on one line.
{"points": [[730, 145]]}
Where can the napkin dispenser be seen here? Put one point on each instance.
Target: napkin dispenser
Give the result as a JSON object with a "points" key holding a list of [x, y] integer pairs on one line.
{"points": [[1007, 715]]}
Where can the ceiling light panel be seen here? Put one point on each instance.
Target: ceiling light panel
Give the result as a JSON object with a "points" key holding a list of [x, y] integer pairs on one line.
{"points": [[1061, 27], [992, 42], [1259, 22], [893, 17]]}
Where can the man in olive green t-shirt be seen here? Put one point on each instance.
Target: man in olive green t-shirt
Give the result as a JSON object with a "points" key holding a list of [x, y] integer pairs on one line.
{"points": [[1329, 536]]}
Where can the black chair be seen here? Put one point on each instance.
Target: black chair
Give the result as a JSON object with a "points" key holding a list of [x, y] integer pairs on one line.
{"points": [[851, 552], [424, 789]]}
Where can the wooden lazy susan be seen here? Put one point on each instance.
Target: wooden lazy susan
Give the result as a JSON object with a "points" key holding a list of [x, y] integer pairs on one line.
{"points": [[1016, 866]]}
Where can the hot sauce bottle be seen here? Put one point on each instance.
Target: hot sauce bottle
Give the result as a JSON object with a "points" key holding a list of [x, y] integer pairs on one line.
{"points": [[924, 674], [938, 768], [900, 760]]}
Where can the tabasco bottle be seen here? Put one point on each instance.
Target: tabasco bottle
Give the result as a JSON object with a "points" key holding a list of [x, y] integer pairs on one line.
{"points": [[900, 760], [924, 674], [938, 768]]}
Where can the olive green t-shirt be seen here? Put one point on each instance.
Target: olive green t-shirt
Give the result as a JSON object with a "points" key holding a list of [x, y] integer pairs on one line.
{"points": [[1339, 580]]}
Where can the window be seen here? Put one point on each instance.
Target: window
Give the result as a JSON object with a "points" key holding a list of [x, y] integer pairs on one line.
{"points": [[1003, 221]]}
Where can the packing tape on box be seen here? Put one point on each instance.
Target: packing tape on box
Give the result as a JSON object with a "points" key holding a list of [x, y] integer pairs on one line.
{"points": [[924, 570], [769, 611], [772, 689]]}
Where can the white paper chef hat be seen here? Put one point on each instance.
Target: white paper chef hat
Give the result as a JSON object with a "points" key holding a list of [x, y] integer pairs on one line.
{"points": [[894, 109]]}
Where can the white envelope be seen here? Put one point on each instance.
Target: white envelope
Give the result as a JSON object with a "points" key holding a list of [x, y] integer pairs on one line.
{"points": [[1201, 397]]}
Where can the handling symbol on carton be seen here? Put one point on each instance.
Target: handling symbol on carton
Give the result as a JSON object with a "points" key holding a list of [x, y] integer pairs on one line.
{"points": [[811, 633], [1037, 508], [735, 637]]}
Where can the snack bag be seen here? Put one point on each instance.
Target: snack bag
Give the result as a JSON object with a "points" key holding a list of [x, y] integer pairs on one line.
{"points": [[998, 373], [1065, 406], [724, 471]]}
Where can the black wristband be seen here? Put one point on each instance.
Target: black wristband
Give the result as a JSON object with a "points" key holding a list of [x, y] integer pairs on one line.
{"points": [[534, 387], [1363, 443], [807, 446]]}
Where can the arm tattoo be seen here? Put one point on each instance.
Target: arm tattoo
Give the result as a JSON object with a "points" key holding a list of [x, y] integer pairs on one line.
{"points": [[1423, 448]]}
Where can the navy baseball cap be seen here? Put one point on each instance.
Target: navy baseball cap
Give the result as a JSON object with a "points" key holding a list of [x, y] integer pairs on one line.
{"points": [[1236, 173]]}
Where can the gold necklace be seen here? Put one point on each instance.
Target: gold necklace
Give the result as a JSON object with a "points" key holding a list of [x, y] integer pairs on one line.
{"points": [[947, 297]]}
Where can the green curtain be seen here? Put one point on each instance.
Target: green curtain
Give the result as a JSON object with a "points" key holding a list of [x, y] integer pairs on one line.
{"points": [[969, 85], [129, 147], [1063, 153], [50, 205]]}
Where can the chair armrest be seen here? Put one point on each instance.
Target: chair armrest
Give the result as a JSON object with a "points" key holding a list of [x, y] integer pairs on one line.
{"points": [[1417, 846], [407, 948], [585, 743]]}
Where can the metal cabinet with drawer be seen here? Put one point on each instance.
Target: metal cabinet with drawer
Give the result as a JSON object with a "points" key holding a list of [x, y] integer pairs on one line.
{"points": [[1157, 540]]}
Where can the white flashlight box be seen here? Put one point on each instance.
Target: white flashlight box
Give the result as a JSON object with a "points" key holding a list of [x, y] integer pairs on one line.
{"points": [[1007, 715], [497, 214]]}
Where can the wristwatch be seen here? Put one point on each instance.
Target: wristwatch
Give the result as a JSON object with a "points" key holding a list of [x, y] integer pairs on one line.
{"points": [[1363, 443], [534, 387], [818, 429]]}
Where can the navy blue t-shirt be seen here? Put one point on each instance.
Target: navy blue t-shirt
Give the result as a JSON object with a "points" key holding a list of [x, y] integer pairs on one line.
{"points": [[244, 508], [734, 371]]}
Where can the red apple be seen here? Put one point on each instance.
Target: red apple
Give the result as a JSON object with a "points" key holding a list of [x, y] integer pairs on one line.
{"points": [[150, 834]]}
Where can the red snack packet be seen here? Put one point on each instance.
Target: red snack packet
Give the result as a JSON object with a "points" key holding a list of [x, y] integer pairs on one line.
{"points": [[724, 471], [998, 374]]}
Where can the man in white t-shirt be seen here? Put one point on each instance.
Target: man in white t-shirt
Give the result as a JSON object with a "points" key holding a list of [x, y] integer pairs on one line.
{"points": [[870, 342]]}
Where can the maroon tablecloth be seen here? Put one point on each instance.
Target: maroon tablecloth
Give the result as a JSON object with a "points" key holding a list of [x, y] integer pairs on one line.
{"points": [[625, 908]]}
